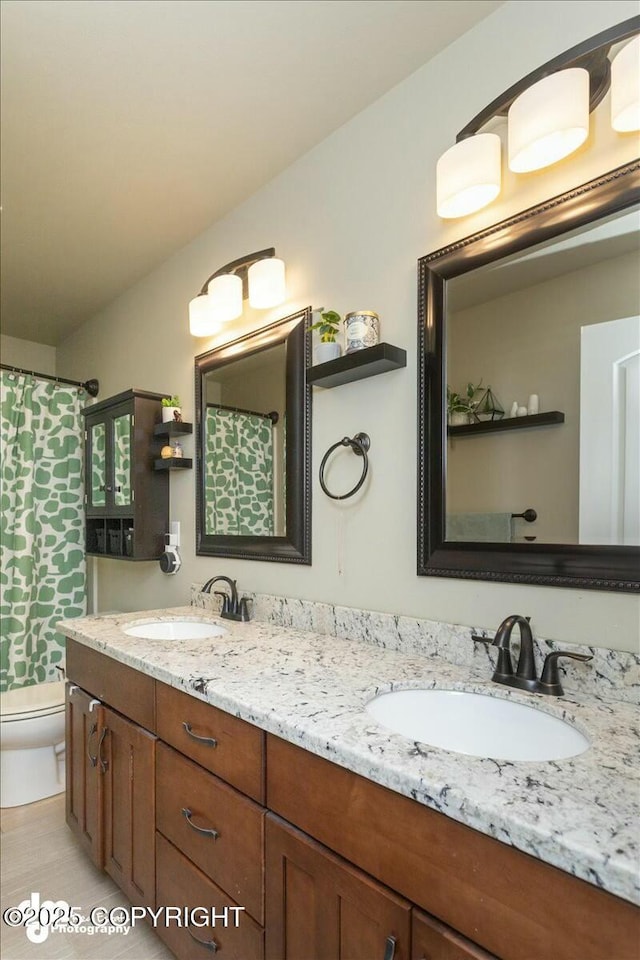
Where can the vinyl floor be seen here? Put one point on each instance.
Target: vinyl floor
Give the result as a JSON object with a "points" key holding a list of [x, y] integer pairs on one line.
{"points": [[39, 854]]}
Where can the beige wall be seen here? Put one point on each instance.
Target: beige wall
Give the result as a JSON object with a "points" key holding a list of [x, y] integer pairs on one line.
{"points": [[28, 355], [351, 218], [523, 343]]}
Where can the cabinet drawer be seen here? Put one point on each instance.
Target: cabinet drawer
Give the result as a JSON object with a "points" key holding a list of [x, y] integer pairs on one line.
{"points": [[126, 690], [232, 854], [181, 884], [473, 883], [237, 754], [432, 940]]}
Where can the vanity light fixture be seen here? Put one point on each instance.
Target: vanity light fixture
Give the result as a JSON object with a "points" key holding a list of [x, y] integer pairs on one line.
{"points": [[625, 88], [547, 118], [259, 276]]}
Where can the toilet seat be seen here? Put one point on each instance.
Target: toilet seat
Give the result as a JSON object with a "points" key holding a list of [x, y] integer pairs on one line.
{"points": [[36, 700]]}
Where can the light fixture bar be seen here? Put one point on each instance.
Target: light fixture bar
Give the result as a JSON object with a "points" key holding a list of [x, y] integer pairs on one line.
{"points": [[240, 268], [591, 54]]}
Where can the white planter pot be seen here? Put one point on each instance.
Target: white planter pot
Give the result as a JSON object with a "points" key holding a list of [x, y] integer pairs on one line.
{"points": [[458, 419], [168, 414], [327, 351]]}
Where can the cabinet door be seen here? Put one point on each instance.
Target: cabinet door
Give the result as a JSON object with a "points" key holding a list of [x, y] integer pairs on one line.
{"points": [[96, 465], [126, 762], [120, 480], [84, 785], [319, 907], [432, 940]]}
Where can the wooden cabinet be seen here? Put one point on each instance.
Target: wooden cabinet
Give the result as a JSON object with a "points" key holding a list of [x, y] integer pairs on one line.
{"points": [[326, 864], [319, 907], [432, 940], [83, 785], [210, 829], [513, 905], [110, 801], [127, 502]]}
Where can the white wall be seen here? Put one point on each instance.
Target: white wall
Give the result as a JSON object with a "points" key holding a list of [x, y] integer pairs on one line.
{"points": [[351, 218], [27, 354]]}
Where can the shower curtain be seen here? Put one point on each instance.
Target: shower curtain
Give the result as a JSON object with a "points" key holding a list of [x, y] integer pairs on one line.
{"points": [[238, 473], [42, 569]]}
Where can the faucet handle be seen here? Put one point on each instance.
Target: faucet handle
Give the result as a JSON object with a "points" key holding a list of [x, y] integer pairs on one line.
{"points": [[243, 610], [550, 679], [226, 600]]}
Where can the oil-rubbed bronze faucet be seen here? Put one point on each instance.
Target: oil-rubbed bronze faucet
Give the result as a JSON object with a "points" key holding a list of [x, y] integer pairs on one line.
{"points": [[232, 607], [525, 677]]}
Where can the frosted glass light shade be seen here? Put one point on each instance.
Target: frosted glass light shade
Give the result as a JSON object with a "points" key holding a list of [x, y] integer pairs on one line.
{"points": [[267, 287], [225, 297], [201, 321], [625, 88], [549, 120], [468, 176]]}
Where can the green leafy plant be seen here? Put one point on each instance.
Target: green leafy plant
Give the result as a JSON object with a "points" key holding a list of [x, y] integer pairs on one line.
{"points": [[171, 401], [463, 402], [328, 326]]}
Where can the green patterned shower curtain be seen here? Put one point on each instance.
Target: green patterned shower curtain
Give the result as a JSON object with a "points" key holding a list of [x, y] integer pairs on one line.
{"points": [[238, 473], [42, 571]]}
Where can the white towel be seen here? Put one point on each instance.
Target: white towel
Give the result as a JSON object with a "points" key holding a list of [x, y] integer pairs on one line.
{"points": [[480, 527]]}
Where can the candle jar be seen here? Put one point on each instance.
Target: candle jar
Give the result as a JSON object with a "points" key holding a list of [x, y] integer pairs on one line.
{"points": [[362, 330]]}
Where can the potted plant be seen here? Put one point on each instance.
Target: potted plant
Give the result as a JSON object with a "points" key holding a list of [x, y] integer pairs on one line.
{"points": [[171, 409], [327, 327], [461, 406]]}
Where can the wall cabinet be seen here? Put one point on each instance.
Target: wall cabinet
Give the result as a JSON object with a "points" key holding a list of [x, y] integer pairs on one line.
{"points": [[127, 502], [326, 864]]}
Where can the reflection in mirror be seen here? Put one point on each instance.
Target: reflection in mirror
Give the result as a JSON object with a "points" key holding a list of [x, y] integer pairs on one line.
{"points": [[542, 309], [244, 433], [555, 328], [122, 460], [253, 445]]}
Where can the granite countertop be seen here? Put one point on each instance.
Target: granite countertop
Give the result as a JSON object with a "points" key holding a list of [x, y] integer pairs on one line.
{"points": [[579, 814]]}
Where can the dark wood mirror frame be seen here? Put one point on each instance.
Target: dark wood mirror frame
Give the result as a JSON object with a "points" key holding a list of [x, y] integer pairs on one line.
{"points": [[562, 565], [295, 546]]}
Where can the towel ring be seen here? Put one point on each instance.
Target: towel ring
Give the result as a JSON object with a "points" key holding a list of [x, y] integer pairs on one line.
{"points": [[360, 445]]}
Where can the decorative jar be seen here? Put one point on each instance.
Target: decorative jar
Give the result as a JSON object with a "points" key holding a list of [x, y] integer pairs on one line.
{"points": [[362, 329]]}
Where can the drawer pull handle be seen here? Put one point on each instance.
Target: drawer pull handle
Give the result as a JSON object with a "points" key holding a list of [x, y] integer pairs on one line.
{"points": [[207, 831], [390, 948], [207, 944], [94, 729], [209, 741]]}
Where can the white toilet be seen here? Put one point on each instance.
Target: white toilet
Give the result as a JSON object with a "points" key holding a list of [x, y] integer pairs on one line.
{"points": [[31, 743]]}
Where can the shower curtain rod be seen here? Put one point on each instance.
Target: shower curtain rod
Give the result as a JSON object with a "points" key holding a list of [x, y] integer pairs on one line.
{"points": [[91, 386], [274, 416]]}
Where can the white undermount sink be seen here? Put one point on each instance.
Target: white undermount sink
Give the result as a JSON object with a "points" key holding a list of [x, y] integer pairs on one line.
{"points": [[175, 630], [477, 725]]}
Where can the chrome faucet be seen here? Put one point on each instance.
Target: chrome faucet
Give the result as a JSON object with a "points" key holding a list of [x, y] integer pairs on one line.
{"points": [[232, 607], [525, 677]]}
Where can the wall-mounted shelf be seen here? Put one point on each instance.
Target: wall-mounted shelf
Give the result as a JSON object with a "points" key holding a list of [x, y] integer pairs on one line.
{"points": [[173, 463], [172, 428], [357, 365], [512, 423]]}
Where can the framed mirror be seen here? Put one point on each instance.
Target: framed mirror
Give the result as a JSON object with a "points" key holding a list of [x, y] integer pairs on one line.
{"points": [[543, 311], [253, 445]]}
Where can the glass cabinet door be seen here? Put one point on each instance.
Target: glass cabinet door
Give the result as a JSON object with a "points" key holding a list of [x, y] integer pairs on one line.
{"points": [[122, 460], [98, 486]]}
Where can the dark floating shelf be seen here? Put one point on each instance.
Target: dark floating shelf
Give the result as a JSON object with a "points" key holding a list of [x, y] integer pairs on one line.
{"points": [[357, 365], [173, 463], [511, 423], [172, 428]]}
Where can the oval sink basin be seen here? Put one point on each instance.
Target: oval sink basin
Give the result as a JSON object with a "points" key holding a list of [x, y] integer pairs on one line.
{"points": [[175, 630], [477, 725]]}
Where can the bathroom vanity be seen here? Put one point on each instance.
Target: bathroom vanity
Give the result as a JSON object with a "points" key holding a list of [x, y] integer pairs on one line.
{"points": [[242, 771]]}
